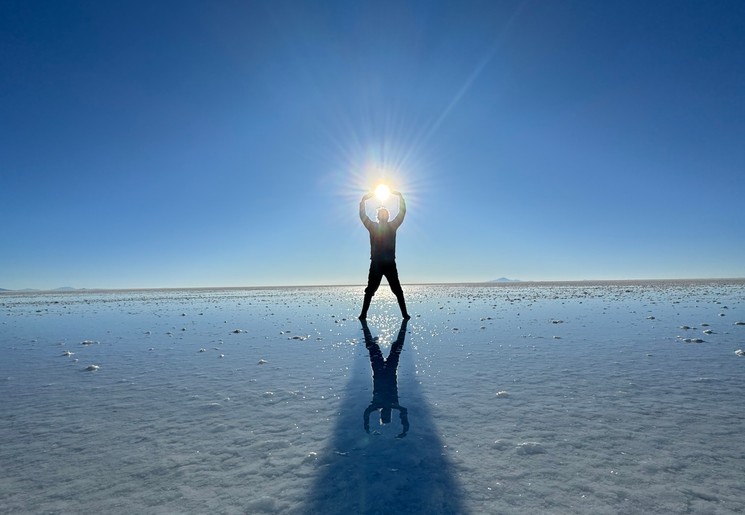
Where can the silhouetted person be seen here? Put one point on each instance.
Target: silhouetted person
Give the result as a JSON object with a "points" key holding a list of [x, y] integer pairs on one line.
{"points": [[383, 253], [385, 380]]}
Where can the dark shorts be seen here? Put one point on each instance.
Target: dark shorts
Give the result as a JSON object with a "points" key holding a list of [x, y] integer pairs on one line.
{"points": [[380, 269]]}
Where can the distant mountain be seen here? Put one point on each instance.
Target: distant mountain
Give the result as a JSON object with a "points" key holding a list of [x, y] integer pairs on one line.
{"points": [[505, 280], [63, 288]]}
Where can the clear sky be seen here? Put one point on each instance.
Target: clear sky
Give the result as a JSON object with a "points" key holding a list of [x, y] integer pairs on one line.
{"points": [[169, 144]]}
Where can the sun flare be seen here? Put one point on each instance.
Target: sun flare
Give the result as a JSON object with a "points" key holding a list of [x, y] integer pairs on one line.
{"points": [[382, 192]]}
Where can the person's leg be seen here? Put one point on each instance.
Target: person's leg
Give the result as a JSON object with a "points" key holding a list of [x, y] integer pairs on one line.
{"points": [[376, 355], [398, 344], [391, 274], [377, 362], [373, 282]]}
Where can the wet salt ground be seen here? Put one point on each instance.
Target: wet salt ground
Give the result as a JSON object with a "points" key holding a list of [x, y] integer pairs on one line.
{"points": [[604, 405]]}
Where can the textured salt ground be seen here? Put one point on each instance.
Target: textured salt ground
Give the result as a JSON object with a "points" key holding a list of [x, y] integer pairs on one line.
{"points": [[605, 408]]}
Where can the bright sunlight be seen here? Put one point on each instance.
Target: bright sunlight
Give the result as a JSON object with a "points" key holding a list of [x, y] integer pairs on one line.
{"points": [[382, 192]]}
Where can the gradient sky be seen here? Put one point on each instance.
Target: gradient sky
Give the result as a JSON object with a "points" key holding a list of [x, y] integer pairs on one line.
{"points": [[170, 144]]}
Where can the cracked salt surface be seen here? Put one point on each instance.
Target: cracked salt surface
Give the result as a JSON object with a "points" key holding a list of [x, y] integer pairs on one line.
{"points": [[619, 414]]}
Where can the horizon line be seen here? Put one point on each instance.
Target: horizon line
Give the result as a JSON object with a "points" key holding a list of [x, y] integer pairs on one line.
{"points": [[493, 282]]}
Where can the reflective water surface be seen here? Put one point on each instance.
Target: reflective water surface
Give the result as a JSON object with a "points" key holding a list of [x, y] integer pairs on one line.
{"points": [[587, 398]]}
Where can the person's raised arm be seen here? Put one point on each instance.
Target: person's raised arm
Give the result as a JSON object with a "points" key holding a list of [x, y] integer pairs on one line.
{"points": [[401, 209], [404, 414], [366, 417], [363, 212]]}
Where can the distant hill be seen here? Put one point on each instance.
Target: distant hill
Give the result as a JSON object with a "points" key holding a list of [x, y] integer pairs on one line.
{"points": [[505, 280], [63, 288]]}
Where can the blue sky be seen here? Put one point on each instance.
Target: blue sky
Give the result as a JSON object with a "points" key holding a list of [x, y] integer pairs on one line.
{"points": [[169, 144]]}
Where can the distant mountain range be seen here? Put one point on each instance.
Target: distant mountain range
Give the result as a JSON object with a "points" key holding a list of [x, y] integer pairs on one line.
{"points": [[505, 280], [63, 288]]}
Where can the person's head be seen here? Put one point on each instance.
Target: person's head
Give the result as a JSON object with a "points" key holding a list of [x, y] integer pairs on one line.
{"points": [[382, 214], [385, 416]]}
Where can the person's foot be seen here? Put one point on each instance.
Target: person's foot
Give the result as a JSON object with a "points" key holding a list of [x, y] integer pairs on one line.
{"points": [[407, 316], [362, 317]]}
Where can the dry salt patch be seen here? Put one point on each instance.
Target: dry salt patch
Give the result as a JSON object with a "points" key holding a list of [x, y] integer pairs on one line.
{"points": [[262, 362], [500, 445], [529, 448], [298, 337], [691, 340], [68, 353], [557, 321], [708, 331], [650, 318], [92, 368], [502, 394], [202, 350], [739, 323], [238, 331], [266, 504], [88, 342], [740, 352]]}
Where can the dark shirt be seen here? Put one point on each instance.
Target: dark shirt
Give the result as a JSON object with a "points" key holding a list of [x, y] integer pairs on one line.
{"points": [[383, 234]]}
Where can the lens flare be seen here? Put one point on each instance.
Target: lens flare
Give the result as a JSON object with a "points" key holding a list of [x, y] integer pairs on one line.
{"points": [[382, 192]]}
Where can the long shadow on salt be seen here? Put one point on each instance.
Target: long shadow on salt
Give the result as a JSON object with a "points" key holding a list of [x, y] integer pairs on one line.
{"points": [[385, 454]]}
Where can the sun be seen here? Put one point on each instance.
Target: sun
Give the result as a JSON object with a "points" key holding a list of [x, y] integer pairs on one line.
{"points": [[382, 192]]}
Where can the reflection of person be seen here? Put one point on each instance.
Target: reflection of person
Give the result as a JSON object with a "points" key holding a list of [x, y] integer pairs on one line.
{"points": [[383, 253], [385, 380]]}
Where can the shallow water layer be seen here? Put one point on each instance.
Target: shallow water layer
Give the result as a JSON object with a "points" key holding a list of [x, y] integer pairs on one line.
{"points": [[590, 398]]}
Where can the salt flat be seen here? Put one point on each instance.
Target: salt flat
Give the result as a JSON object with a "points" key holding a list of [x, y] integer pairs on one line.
{"points": [[584, 398]]}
